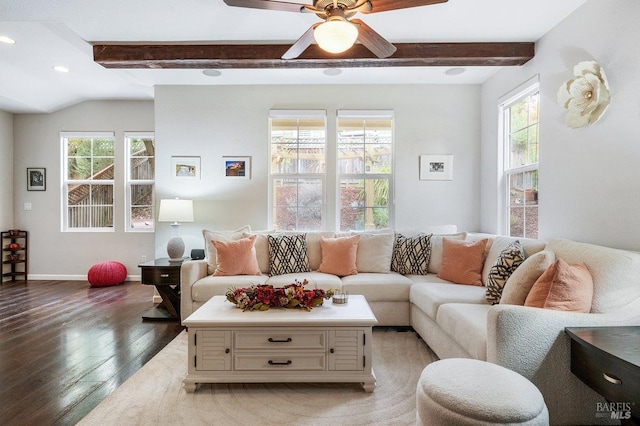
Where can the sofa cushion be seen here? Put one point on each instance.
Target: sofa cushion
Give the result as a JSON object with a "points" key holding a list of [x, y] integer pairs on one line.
{"points": [[378, 287], [339, 255], [562, 287], [374, 252], [467, 325], [435, 260], [520, 282], [209, 286], [210, 236], [616, 273], [429, 295], [316, 280], [411, 254], [462, 261], [288, 254], [499, 243], [507, 262], [236, 257]]}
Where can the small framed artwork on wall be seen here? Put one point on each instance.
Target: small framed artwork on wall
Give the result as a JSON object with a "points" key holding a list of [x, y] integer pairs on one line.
{"points": [[436, 167], [237, 167], [185, 167], [36, 179]]}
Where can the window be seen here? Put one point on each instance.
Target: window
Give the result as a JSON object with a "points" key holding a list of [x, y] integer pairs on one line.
{"points": [[140, 175], [298, 165], [520, 124], [88, 181], [365, 165]]}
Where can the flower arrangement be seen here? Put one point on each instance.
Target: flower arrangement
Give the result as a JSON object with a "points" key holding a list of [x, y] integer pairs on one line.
{"points": [[586, 96], [261, 297]]}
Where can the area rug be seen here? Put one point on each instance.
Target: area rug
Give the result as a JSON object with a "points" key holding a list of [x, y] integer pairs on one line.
{"points": [[154, 395]]}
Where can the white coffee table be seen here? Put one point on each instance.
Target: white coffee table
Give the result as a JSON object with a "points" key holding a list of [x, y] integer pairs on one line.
{"points": [[330, 343]]}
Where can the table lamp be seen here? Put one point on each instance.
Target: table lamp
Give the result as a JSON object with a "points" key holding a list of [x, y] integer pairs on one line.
{"points": [[175, 211]]}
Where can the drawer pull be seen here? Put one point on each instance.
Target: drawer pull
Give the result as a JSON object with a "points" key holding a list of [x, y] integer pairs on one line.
{"points": [[332, 350], [288, 362], [226, 351], [164, 275], [287, 340], [612, 379]]}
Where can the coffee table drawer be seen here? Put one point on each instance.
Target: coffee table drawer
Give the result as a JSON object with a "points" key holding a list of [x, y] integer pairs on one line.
{"points": [[280, 339], [276, 362]]}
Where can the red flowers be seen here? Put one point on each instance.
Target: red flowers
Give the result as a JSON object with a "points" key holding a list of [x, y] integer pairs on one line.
{"points": [[264, 296]]}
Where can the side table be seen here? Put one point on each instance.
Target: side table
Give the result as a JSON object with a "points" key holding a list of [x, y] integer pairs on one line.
{"points": [[165, 276], [607, 359]]}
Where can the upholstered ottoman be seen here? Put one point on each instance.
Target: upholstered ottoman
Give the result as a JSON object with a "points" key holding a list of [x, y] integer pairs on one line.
{"points": [[460, 391], [105, 274]]}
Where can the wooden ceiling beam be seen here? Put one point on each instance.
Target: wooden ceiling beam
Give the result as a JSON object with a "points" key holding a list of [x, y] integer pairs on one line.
{"points": [[225, 56]]}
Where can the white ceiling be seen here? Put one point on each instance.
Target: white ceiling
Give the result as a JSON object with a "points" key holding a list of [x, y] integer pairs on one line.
{"points": [[61, 32]]}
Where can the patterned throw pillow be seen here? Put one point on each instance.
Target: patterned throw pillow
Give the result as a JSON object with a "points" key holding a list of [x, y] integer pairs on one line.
{"points": [[411, 254], [507, 262], [288, 254]]}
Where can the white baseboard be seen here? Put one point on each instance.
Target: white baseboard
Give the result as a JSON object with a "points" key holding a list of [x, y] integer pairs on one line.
{"points": [[72, 277]]}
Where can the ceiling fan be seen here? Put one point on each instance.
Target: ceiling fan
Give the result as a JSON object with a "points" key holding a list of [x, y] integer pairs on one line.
{"points": [[337, 33]]}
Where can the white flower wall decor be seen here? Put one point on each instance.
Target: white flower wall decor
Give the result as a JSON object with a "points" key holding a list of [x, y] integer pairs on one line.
{"points": [[586, 96]]}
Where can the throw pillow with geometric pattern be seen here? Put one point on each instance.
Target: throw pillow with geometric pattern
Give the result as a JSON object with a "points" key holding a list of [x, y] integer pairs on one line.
{"points": [[288, 254], [507, 262], [411, 254]]}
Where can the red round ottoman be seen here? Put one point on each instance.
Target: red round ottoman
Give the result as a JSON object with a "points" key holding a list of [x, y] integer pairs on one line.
{"points": [[105, 274]]}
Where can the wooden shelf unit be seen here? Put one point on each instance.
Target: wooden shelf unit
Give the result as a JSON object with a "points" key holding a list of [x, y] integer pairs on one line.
{"points": [[15, 260]]}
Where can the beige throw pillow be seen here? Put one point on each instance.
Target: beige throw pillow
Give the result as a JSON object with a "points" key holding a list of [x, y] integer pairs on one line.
{"points": [[374, 252], [522, 279], [210, 236]]}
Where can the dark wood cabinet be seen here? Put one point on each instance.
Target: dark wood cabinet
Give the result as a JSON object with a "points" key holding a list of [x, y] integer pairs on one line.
{"points": [[608, 360], [15, 254], [165, 276]]}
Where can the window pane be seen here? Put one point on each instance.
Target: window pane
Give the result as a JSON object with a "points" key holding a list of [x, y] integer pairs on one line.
{"points": [[142, 218], [523, 204], [103, 168], [351, 158], [378, 157], [311, 158], [297, 204], [364, 204], [297, 145]]}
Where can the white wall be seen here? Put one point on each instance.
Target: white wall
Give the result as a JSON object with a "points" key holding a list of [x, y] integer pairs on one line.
{"points": [[214, 121], [589, 177], [6, 170], [69, 255]]}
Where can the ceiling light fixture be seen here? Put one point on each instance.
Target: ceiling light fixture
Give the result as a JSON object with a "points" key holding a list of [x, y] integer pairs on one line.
{"points": [[60, 68], [332, 71], [212, 73], [454, 71], [7, 40], [336, 34]]}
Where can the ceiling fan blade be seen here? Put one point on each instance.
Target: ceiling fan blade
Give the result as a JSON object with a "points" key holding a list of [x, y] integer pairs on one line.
{"points": [[384, 5], [301, 44], [268, 5], [373, 41]]}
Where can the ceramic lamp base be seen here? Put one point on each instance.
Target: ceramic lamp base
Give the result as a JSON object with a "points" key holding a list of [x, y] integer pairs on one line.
{"points": [[175, 248]]}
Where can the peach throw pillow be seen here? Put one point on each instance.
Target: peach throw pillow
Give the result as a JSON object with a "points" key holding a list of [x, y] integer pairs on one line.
{"points": [[563, 287], [236, 257], [339, 255], [462, 261]]}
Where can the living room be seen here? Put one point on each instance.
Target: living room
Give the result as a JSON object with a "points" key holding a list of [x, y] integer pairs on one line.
{"points": [[587, 191]]}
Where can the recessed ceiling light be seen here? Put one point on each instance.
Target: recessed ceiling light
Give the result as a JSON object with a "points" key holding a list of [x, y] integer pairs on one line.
{"points": [[60, 68], [332, 71], [212, 73], [454, 71], [7, 40]]}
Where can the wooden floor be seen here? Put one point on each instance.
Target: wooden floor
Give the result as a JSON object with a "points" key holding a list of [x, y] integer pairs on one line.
{"points": [[65, 346]]}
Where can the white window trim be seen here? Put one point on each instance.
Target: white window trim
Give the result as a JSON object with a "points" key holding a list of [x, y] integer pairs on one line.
{"points": [[504, 102], [297, 114], [365, 115], [63, 179], [127, 181]]}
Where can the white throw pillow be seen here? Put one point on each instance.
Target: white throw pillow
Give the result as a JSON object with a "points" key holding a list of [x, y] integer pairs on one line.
{"points": [[519, 284], [210, 236], [374, 252], [435, 259]]}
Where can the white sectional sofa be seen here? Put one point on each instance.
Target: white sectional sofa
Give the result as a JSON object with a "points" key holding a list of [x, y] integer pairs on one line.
{"points": [[456, 320]]}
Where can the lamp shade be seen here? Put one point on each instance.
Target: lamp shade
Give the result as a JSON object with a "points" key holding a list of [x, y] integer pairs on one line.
{"points": [[335, 36], [175, 210]]}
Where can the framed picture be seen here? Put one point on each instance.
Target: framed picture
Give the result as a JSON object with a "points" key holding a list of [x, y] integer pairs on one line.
{"points": [[237, 167], [36, 179], [436, 167], [185, 167]]}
